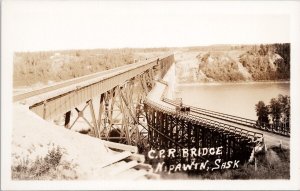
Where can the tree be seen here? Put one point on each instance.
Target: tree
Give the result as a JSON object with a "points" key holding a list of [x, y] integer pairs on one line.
{"points": [[286, 106], [275, 110], [262, 113], [278, 110]]}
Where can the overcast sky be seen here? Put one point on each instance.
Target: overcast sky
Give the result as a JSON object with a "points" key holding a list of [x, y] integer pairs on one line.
{"points": [[46, 25]]}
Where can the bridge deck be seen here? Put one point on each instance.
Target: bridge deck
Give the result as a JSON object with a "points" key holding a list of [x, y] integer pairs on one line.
{"points": [[62, 97]]}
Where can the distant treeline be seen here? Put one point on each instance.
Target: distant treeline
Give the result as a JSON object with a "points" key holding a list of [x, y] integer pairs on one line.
{"points": [[217, 63], [45, 66]]}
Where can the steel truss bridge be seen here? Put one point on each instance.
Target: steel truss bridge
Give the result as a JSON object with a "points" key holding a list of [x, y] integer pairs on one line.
{"points": [[120, 93], [126, 114]]}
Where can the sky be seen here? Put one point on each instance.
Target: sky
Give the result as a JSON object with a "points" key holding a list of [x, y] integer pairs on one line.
{"points": [[56, 25]]}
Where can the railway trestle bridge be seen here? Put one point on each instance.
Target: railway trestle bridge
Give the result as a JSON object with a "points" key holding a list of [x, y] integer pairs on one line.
{"points": [[121, 110]]}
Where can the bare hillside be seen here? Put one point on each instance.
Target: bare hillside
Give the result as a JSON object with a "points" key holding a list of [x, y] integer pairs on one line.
{"points": [[234, 63]]}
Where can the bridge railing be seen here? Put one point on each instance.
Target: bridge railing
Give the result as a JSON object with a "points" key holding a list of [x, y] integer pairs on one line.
{"points": [[220, 115], [250, 123]]}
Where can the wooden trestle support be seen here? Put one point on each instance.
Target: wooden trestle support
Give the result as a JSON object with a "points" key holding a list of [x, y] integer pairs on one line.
{"points": [[174, 130], [120, 117]]}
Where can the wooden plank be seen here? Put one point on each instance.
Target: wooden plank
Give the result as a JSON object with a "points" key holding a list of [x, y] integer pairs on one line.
{"points": [[122, 168], [115, 159], [106, 170], [137, 157], [123, 147]]}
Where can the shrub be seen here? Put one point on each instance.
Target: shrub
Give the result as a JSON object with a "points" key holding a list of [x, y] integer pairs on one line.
{"points": [[48, 167]]}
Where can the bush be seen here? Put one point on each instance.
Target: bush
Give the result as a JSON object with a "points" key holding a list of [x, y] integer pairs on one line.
{"points": [[44, 168]]}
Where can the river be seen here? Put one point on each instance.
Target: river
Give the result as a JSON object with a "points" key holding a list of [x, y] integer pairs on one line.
{"points": [[237, 99]]}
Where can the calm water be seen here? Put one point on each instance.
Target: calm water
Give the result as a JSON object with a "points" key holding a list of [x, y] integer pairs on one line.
{"points": [[235, 99]]}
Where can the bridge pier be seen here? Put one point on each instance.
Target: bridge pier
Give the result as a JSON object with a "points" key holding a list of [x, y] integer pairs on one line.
{"points": [[67, 119]]}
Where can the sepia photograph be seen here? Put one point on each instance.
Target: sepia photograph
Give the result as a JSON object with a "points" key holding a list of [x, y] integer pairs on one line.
{"points": [[149, 95]]}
